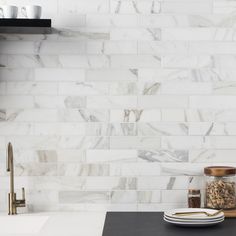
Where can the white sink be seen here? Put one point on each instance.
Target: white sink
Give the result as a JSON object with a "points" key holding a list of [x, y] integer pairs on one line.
{"points": [[21, 224]]}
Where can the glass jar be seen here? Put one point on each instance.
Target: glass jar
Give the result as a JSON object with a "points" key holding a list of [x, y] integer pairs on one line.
{"points": [[194, 198], [220, 188]]}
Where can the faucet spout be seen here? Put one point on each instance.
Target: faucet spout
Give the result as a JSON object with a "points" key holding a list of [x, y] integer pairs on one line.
{"points": [[13, 203]]}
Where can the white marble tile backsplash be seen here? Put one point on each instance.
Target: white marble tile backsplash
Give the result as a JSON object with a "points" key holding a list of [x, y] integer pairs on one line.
{"points": [[121, 105]]}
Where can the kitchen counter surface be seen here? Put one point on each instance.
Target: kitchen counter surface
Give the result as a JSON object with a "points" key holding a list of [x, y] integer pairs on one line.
{"points": [[50, 224], [152, 224]]}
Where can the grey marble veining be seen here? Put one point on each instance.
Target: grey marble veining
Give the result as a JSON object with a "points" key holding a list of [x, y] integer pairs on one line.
{"points": [[163, 155]]}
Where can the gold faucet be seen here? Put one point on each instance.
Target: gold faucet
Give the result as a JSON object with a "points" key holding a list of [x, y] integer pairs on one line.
{"points": [[13, 203]]}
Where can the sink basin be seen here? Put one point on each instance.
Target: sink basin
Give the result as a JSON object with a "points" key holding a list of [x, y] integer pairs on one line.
{"points": [[21, 224]]}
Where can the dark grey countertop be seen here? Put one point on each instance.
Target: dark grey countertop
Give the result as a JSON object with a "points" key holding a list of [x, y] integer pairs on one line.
{"points": [[152, 224]]}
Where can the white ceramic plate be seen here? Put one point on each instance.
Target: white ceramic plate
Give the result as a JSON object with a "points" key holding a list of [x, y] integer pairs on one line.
{"points": [[195, 224], [170, 214], [193, 220]]}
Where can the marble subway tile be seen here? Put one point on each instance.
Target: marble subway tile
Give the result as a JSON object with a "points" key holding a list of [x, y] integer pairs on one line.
{"points": [[224, 88], [182, 169], [162, 182], [31, 88], [123, 88], [211, 128], [169, 196], [173, 115], [192, 61], [104, 20], [47, 156], [212, 102], [136, 34], [200, 34], [149, 196], [163, 155], [74, 169], [221, 142], [66, 19], [154, 207], [224, 61], [22, 102], [183, 142], [135, 169], [110, 156], [84, 197], [135, 115], [149, 88], [190, 7], [78, 34], [17, 47], [93, 115], [163, 75], [134, 142], [20, 74], [31, 61], [51, 48], [112, 75], [221, 47], [111, 183], [135, 7], [111, 47], [60, 102], [212, 155], [123, 197], [223, 7], [28, 115], [111, 129], [108, 102], [73, 155], [162, 129], [83, 6], [187, 20], [9, 128], [36, 169], [59, 129], [57, 74], [162, 47], [163, 101], [82, 88], [186, 88], [42, 196], [84, 61], [135, 61]]}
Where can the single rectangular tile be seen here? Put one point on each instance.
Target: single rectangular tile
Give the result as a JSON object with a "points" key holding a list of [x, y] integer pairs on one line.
{"points": [[94, 156], [162, 101]]}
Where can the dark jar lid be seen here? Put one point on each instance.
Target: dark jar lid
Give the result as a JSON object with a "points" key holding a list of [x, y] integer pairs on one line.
{"points": [[219, 171], [194, 191]]}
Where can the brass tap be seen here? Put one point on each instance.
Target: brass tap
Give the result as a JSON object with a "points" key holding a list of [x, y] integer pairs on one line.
{"points": [[13, 203]]}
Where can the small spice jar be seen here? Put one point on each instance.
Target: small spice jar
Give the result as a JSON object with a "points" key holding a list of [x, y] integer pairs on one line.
{"points": [[220, 187], [194, 198]]}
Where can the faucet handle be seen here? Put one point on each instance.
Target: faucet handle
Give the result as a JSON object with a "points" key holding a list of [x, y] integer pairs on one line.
{"points": [[21, 202], [23, 193]]}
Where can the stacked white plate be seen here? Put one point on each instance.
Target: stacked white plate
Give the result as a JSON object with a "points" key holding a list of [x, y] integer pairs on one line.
{"points": [[193, 220]]}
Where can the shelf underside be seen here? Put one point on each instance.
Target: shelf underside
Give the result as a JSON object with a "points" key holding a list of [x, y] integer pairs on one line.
{"points": [[25, 26]]}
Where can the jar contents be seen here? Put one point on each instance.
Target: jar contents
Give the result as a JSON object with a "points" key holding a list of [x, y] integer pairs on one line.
{"points": [[220, 194], [194, 198]]}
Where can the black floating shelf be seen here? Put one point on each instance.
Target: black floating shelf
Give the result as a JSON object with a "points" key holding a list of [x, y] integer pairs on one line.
{"points": [[25, 26]]}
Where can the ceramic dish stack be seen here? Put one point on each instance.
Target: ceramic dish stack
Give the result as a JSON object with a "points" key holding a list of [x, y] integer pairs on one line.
{"points": [[194, 217]]}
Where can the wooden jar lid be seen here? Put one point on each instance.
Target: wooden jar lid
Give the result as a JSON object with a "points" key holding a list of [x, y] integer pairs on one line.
{"points": [[219, 171]]}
